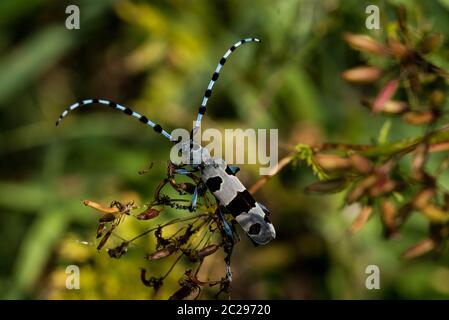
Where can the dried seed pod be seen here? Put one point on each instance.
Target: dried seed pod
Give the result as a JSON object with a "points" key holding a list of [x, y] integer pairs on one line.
{"points": [[383, 186], [360, 189], [435, 214], [162, 253], [388, 212], [395, 107], [207, 251], [438, 147], [420, 248], [363, 74], [104, 239], [365, 43], [331, 162], [423, 198], [100, 229], [361, 219], [327, 186], [361, 164], [148, 214], [419, 160], [419, 117], [398, 49]]}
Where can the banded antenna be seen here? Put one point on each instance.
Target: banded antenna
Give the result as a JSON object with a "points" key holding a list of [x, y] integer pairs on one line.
{"points": [[156, 127], [215, 76]]}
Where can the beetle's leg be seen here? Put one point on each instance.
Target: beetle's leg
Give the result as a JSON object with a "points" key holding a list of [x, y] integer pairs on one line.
{"points": [[226, 227]]}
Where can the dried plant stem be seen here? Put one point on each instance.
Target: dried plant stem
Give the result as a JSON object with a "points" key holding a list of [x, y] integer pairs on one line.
{"points": [[261, 182]]}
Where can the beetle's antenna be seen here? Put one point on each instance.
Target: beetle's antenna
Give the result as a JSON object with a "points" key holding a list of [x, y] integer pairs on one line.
{"points": [[215, 75], [156, 127]]}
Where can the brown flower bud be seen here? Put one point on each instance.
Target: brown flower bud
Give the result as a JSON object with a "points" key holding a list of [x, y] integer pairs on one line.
{"points": [[423, 198], [361, 219], [420, 248], [388, 213], [419, 117], [365, 43], [360, 163], [360, 189], [395, 107], [398, 48], [364, 74], [332, 162]]}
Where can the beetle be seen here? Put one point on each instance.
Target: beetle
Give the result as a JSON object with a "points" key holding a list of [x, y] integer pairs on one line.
{"points": [[218, 177]]}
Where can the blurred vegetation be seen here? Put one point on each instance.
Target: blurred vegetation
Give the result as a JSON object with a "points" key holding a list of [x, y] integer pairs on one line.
{"points": [[157, 56]]}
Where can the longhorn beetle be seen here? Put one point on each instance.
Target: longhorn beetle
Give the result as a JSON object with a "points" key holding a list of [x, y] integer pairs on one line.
{"points": [[218, 177]]}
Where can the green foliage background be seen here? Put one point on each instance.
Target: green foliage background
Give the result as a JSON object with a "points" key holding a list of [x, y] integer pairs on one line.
{"points": [[157, 57]]}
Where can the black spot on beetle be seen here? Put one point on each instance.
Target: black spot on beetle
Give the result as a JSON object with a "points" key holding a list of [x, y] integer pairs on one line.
{"points": [[214, 183], [242, 202], [254, 229]]}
